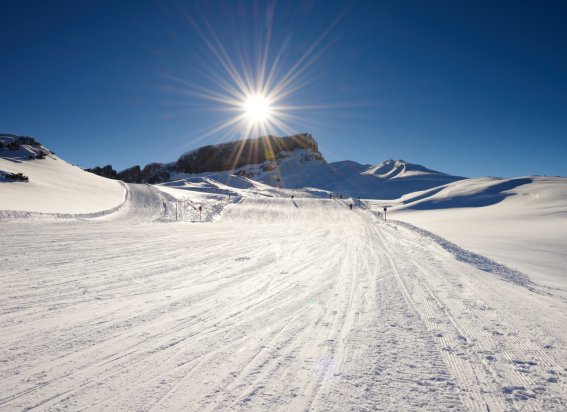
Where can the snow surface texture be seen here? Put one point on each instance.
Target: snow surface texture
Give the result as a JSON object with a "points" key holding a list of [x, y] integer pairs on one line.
{"points": [[219, 292], [281, 304]]}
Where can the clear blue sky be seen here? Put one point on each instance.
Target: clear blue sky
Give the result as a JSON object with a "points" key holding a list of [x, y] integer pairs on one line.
{"points": [[469, 88]]}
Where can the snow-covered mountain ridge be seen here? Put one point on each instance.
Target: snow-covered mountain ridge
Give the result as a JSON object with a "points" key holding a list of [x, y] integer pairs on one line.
{"points": [[288, 162], [391, 169]]}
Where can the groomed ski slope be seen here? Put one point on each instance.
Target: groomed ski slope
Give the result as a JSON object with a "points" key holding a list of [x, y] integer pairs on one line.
{"points": [[280, 304]]}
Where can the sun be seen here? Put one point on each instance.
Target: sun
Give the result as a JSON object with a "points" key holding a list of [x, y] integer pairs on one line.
{"points": [[257, 109]]}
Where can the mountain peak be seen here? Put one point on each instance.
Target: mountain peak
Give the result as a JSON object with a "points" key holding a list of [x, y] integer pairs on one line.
{"points": [[396, 169]]}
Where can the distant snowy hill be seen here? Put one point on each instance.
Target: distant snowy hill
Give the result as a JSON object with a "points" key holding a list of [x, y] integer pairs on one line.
{"points": [[391, 169]]}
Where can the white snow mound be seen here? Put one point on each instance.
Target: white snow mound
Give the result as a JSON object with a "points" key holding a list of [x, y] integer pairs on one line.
{"points": [[54, 186]]}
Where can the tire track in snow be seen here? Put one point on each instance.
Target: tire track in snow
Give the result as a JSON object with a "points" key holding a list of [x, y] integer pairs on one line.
{"points": [[462, 372]]}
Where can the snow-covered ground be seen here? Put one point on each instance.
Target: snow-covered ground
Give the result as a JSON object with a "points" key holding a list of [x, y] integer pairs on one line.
{"points": [[274, 304], [219, 292]]}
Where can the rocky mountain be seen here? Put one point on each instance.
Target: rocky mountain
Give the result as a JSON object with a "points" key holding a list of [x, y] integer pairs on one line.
{"points": [[265, 151], [19, 148]]}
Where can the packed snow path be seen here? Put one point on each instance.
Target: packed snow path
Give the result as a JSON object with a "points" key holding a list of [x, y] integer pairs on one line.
{"points": [[280, 305]]}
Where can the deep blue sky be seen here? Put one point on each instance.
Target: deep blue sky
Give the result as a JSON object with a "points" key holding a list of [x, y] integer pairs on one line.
{"points": [[469, 88]]}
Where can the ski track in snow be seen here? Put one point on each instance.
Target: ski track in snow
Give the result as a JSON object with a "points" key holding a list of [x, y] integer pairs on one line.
{"points": [[278, 305], [474, 259]]}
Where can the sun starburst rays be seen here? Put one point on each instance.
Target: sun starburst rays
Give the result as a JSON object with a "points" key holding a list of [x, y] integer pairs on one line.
{"points": [[257, 86]]}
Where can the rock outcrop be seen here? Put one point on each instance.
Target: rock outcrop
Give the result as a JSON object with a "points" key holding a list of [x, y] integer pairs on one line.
{"points": [[216, 158], [228, 156]]}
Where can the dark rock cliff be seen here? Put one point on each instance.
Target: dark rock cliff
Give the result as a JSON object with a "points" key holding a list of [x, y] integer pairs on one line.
{"points": [[215, 158]]}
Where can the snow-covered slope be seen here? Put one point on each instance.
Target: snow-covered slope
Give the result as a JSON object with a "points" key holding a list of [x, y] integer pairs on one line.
{"points": [[353, 179], [521, 222], [54, 186]]}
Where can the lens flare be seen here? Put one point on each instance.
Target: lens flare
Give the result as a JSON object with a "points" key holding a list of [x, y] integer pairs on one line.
{"points": [[257, 109]]}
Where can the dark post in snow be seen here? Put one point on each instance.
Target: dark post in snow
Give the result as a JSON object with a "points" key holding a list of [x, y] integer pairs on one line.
{"points": [[200, 210], [385, 210]]}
